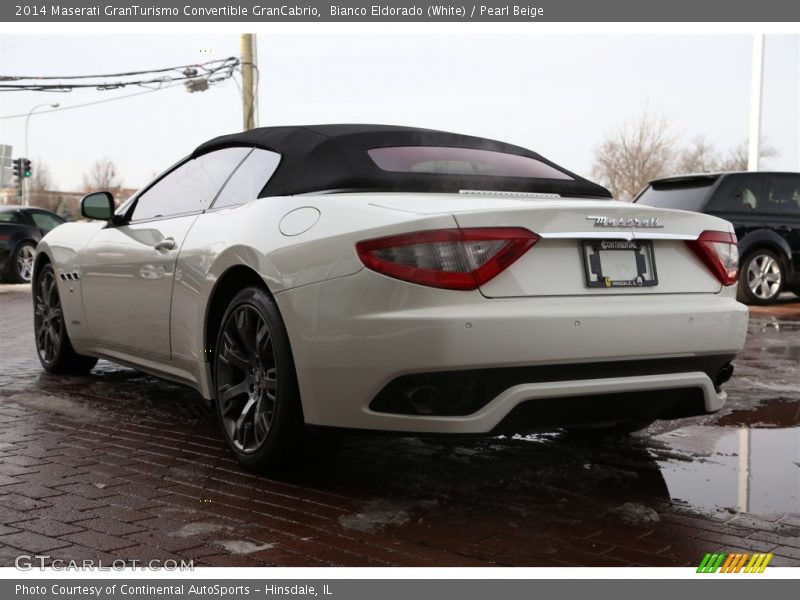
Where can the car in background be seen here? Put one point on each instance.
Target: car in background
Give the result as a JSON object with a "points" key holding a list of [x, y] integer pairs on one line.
{"points": [[764, 208], [394, 279], [21, 228]]}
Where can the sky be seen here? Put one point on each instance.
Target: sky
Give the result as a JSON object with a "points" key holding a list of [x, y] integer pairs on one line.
{"points": [[556, 94]]}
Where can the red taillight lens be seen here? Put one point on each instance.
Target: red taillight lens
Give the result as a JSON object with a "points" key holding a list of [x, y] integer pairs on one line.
{"points": [[719, 252], [455, 259]]}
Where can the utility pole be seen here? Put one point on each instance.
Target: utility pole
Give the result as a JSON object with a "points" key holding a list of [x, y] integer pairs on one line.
{"points": [[247, 44], [756, 85]]}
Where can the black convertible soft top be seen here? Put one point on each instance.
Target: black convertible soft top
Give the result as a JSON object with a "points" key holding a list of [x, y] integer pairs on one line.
{"points": [[335, 158]]}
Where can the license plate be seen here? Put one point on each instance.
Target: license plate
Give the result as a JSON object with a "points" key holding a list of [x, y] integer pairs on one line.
{"points": [[619, 263]]}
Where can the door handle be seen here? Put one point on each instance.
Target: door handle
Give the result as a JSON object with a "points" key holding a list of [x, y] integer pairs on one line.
{"points": [[165, 244]]}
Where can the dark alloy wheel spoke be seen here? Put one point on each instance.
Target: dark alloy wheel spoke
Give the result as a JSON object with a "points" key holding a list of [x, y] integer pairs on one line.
{"points": [[247, 380], [231, 392], [271, 384], [231, 354], [48, 318], [262, 338], [245, 330]]}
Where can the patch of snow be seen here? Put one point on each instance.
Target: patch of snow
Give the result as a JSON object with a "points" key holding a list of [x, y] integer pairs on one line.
{"points": [[242, 546], [192, 529], [635, 513]]}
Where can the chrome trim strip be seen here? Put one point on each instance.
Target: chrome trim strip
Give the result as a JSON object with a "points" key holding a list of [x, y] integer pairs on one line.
{"points": [[616, 235]]}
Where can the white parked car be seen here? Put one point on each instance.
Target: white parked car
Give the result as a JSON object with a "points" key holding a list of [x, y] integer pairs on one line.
{"points": [[394, 279]]}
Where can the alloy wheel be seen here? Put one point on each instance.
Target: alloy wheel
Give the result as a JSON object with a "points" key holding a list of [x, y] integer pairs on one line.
{"points": [[764, 277], [48, 319], [25, 262], [247, 383]]}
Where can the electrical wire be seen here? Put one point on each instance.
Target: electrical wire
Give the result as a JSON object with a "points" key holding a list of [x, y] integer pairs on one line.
{"points": [[115, 98], [226, 67], [232, 59]]}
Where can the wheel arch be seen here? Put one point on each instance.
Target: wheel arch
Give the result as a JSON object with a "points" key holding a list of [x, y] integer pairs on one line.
{"points": [[230, 283], [765, 239], [42, 257]]}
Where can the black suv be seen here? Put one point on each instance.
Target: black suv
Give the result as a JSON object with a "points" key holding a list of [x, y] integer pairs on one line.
{"points": [[765, 211]]}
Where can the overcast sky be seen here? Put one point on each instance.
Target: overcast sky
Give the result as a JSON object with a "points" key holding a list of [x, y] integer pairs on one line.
{"points": [[556, 94]]}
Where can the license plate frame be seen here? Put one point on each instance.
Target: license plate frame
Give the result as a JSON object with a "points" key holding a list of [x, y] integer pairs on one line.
{"points": [[644, 262]]}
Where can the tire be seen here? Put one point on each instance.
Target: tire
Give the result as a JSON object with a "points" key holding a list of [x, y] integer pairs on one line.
{"points": [[257, 400], [761, 278], [53, 346], [22, 263], [600, 432]]}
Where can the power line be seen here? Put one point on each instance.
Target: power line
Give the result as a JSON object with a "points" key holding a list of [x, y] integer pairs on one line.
{"points": [[41, 112], [223, 68], [223, 61]]}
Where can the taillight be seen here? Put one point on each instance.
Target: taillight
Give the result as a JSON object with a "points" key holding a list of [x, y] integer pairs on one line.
{"points": [[719, 252], [455, 259]]}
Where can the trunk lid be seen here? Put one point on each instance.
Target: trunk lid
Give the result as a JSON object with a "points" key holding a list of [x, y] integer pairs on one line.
{"points": [[572, 230]]}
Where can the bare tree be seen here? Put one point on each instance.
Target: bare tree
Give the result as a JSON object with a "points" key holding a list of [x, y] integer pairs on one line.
{"points": [[736, 159], [40, 184], [699, 157], [102, 176], [703, 157], [646, 149], [640, 151]]}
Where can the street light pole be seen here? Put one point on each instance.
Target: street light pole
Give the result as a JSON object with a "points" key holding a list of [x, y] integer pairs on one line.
{"points": [[756, 87], [25, 184]]}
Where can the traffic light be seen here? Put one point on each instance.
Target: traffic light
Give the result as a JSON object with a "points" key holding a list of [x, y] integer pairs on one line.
{"points": [[27, 168], [18, 168]]}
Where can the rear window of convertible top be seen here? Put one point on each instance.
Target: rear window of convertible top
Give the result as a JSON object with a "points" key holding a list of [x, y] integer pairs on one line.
{"points": [[461, 161]]}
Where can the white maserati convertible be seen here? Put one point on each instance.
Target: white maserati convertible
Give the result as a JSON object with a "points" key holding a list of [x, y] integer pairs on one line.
{"points": [[394, 279]]}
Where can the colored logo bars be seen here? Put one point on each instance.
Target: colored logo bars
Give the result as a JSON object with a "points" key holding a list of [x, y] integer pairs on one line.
{"points": [[733, 563]]}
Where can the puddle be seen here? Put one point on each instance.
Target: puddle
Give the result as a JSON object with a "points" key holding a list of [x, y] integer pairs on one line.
{"points": [[790, 352], [752, 469], [763, 324]]}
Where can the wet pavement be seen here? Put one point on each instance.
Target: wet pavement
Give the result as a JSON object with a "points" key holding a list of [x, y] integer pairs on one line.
{"points": [[119, 464]]}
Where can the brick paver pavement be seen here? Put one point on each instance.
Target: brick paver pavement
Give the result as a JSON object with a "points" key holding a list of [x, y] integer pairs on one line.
{"points": [[121, 465]]}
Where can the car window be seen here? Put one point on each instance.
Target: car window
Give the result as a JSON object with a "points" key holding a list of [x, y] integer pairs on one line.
{"points": [[45, 220], [460, 161], [10, 216], [249, 179], [190, 187], [784, 194], [740, 193], [685, 195]]}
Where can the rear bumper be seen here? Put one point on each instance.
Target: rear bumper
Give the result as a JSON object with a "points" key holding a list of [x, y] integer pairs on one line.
{"points": [[472, 392], [352, 337]]}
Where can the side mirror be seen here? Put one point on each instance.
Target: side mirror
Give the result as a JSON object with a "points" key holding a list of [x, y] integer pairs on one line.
{"points": [[98, 205]]}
